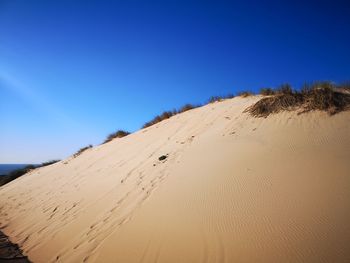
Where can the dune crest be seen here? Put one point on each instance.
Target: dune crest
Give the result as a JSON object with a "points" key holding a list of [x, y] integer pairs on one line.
{"points": [[228, 188]]}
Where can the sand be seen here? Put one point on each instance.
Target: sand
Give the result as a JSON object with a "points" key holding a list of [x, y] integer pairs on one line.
{"points": [[233, 188]]}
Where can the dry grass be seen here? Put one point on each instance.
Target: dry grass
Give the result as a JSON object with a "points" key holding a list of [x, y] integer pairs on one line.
{"points": [[267, 91], [167, 114], [285, 89], [117, 134], [213, 99], [81, 150], [323, 96], [318, 96], [244, 94], [186, 107]]}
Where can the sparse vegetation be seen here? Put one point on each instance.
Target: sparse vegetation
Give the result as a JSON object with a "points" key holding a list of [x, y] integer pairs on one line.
{"points": [[186, 107], [244, 94], [117, 134], [167, 114], [213, 99], [323, 96], [81, 150], [285, 89], [267, 91]]}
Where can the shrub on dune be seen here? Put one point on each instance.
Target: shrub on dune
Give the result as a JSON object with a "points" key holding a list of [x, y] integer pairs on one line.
{"points": [[327, 97], [117, 134], [267, 91], [187, 107], [244, 94], [285, 89], [81, 150], [167, 114], [213, 99], [323, 96]]}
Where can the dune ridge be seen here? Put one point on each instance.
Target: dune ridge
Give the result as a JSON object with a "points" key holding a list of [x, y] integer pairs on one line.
{"points": [[233, 188]]}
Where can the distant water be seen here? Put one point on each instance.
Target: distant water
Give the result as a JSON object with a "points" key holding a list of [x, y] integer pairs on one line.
{"points": [[7, 168]]}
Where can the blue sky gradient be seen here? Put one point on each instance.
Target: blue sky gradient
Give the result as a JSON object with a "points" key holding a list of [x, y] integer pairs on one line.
{"points": [[73, 71]]}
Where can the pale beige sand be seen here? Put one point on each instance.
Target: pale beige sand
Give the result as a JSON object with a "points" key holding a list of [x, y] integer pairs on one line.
{"points": [[233, 189]]}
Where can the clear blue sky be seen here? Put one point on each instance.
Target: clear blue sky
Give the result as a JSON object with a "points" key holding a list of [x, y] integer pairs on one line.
{"points": [[73, 71]]}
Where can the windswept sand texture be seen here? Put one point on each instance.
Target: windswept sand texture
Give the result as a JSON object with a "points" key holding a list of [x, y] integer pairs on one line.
{"points": [[233, 189]]}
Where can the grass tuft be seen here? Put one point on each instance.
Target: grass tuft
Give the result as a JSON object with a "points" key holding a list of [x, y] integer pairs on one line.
{"points": [[117, 134], [267, 91], [167, 114], [213, 99], [186, 107], [244, 94], [323, 96], [81, 150]]}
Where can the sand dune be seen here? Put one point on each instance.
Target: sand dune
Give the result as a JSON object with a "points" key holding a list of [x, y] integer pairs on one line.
{"points": [[233, 188]]}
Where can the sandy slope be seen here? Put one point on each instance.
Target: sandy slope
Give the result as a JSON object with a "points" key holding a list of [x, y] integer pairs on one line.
{"points": [[233, 189]]}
